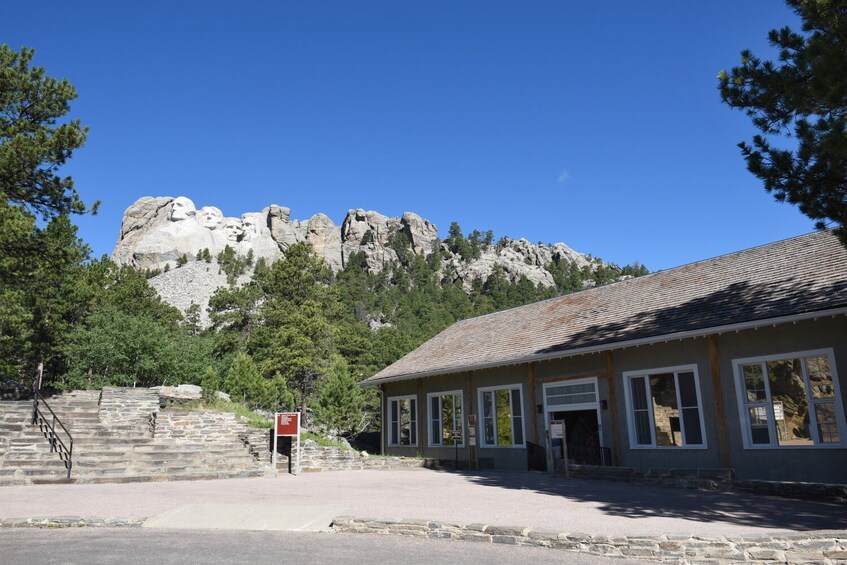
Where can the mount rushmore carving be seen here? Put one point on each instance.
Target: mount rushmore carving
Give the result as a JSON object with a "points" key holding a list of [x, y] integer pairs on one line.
{"points": [[158, 231]]}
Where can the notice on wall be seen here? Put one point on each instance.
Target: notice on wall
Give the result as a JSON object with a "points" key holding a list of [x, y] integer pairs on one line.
{"points": [[557, 429]]}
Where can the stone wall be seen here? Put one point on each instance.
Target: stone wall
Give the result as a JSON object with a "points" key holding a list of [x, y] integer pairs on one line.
{"points": [[200, 427], [709, 479], [123, 407], [317, 459], [828, 547]]}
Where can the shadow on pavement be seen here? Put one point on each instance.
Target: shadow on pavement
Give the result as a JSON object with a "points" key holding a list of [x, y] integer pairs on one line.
{"points": [[638, 501]]}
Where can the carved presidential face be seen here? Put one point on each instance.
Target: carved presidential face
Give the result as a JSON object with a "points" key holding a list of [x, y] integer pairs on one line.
{"points": [[250, 225], [209, 217], [182, 208], [233, 229]]}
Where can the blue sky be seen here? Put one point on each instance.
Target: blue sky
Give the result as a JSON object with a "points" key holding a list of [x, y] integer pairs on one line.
{"points": [[595, 124]]}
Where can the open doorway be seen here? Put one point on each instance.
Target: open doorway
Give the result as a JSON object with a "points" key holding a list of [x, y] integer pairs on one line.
{"points": [[582, 435], [576, 404]]}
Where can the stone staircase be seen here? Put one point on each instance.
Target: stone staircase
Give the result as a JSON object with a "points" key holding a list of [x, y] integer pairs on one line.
{"points": [[138, 446]]}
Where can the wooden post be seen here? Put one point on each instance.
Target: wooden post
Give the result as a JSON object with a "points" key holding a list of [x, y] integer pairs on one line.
{"points": [[717, 392], [421, 417], [613, 408], [383, 412], [532, 400], [469, 410]]}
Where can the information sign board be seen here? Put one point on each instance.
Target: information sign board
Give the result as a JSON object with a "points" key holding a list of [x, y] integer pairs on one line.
{"points": [[288, 423]]}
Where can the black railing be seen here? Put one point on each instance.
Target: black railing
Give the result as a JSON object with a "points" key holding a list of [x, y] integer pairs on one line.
{"points": [[582, 454], [48, 427]]}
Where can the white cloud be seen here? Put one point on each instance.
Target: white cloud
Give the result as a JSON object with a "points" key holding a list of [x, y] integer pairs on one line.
{"points": [[564, 176]]}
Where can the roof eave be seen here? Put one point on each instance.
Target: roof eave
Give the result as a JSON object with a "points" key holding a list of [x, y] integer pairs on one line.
{"points": [[702, 332]]}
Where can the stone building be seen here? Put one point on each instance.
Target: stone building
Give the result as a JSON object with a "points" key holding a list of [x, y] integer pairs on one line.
{"points": [[727, 363]]}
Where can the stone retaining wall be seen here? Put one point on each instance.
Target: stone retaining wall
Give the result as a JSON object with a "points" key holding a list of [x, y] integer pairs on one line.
{"points": [[317, 459], [711, 479], [828, 547], [200, 427], [128, 407]]}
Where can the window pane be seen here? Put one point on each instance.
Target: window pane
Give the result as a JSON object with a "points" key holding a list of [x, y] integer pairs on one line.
{"points": [[638, 389], [639, 393], [504, 417], [447, 415], [820, 377], [517, 426], [788, 394], [665, 412], [488, 417], [413, 421], [690, 409], [394, 439], [435, 424], [405, 422], [754, 383], [571, 394], [759, 433], [827, 424]]}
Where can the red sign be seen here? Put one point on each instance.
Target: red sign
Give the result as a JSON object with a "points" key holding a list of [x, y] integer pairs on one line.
{"points": [[288, 424]]}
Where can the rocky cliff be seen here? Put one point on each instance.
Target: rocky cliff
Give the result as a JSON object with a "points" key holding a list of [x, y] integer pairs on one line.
{"points": [[163, 232]]}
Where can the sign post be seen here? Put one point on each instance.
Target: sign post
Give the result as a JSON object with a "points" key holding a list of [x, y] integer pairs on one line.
{"points": [[287, 424]]}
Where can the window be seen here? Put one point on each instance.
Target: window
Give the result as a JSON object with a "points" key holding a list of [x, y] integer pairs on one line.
{"points": [[790, 400], [582, 392], [664, 408], [445, 418], [502, 416], [403, 420]]}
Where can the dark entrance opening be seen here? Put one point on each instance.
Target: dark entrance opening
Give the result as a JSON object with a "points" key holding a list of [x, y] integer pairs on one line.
{"points": [[582, 434]]}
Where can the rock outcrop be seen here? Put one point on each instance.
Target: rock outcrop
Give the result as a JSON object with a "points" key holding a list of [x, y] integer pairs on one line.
{"points": [[156, 233]]}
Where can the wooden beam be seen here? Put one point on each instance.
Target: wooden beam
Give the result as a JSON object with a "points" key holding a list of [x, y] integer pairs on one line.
{"points": [[382, 412], [421, 418], [532, 401], [613, 408], [598, 373], [717, 393]]}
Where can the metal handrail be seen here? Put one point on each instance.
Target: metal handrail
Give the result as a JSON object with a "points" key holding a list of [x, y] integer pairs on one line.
{"points": [[54, 440]]}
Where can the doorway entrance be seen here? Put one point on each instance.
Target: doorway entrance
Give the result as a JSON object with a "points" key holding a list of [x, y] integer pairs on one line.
{"points": [[576, 404]]}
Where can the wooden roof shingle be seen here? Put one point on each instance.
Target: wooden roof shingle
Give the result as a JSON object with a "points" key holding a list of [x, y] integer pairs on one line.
{"points": [[796, 276]]}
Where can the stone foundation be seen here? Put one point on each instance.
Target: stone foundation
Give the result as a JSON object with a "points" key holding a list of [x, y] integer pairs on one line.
{"points": [[827, 547]]}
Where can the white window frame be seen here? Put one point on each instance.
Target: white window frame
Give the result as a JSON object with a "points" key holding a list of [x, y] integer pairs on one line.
{"points": [[481, 421], [628, 376], [431, 417], [741, 396], [413, 423]]}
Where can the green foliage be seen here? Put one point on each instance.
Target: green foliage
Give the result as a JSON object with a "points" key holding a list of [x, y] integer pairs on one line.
{"points": [[232, 264], [323, 441], [803, 97], [340, 400], [181, 260], [32, 146], [244, 383], [243, 412]]}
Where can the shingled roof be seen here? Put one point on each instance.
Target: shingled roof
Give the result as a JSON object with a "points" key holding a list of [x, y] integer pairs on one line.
{"points": [[790, 278]]}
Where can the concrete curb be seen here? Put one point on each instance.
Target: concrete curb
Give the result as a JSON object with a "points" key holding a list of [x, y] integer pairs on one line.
{"points": [[827, 547], [70, 522]]}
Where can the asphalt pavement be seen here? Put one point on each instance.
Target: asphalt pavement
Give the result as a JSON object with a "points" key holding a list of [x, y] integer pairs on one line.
{"points": [[309, 502]]}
